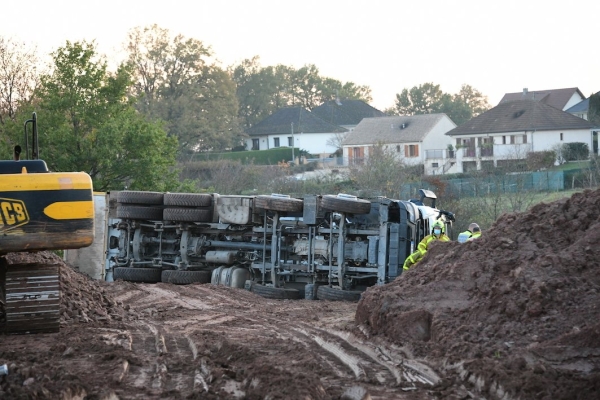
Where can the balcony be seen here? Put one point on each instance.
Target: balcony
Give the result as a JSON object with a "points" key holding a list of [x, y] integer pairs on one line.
{"points": [[477, 152], [439, 154]]}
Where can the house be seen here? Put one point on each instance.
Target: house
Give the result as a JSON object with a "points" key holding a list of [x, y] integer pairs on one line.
{"points": [[582, 109], [346, 113], [562, 99], [417, 139], [513, 129], [297, 127]]}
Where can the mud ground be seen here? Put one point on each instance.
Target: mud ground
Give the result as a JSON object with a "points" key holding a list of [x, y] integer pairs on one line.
{"points": [[513, 315]]}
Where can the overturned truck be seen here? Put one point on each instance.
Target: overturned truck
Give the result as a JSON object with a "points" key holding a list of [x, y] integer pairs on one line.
{"points": [[328, 247]]}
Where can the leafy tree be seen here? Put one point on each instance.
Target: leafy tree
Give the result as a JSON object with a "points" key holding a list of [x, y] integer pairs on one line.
{"points": [[429, 98], [594, 109], [176, 82], [262, 90], [474, 100], [422, 99], [89, 125]]}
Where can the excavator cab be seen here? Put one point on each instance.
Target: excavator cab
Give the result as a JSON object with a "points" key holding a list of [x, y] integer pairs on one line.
{"points": [[39, 210]]}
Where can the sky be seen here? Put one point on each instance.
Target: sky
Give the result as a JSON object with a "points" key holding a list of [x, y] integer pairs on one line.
{"points": [[496, 47]]}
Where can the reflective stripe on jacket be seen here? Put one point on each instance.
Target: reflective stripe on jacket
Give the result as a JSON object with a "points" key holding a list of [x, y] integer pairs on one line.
{"points": [[464, 236]]}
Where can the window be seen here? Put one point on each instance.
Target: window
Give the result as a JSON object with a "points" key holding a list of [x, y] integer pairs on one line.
{"points": [[398, 149], [276, 142], [503, 139], [290, 141], [434, 165], [411, 150], [255, 144], [561, 136]]}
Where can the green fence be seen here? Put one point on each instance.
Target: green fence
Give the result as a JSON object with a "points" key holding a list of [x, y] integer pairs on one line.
{"points": [[546, 181]]}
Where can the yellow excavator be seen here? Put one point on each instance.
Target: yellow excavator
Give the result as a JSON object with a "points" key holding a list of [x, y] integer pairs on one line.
{"points": [[39, 210]]}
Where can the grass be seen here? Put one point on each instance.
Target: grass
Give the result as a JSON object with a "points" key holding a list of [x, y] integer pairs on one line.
{"points": [[582, 164]]}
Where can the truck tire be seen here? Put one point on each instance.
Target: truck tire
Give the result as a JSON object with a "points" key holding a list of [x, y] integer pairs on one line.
{"points": [[188, 199], [275, 203], [188, 214], [335, 294], [140, 212], [184, 277], [139, 197], [270, 292], [340, 204], [130, 274]]}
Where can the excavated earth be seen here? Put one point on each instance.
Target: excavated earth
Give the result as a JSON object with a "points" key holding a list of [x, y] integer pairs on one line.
{"points": [[513, 315]]}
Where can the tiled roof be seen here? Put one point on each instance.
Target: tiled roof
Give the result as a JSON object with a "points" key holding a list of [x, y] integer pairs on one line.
{"points": [[556, 98], [280, 122], [346, 112], [391, 130], [522, 115], [583, 105]]}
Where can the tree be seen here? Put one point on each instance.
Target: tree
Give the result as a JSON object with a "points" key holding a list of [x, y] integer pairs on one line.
{"points": [[594, 109], [422, 99], [18, 76], [89, 125], [18, 81], [176, 82], [262, 90], [381, 174], [429, 98]]}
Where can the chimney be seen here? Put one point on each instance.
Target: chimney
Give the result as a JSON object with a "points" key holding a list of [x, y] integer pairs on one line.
{"points": [[525, 90]]}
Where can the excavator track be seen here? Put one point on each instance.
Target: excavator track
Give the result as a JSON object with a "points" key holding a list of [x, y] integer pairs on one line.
{"points": [[31, 297]]}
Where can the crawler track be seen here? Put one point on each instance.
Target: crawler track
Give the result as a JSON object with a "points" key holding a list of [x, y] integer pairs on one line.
{"points": [[31, 297]]}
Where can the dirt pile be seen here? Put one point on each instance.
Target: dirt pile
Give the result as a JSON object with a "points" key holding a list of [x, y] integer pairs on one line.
{"points": [[514, 313]]}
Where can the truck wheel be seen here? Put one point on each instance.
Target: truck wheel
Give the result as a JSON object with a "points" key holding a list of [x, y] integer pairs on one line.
{"points": [[138, 212], [278, 203], [270, 292], [188, 199], [188, 214], [130, 274], [185, 277], [138, 197], [332, 293], [340, 204]]}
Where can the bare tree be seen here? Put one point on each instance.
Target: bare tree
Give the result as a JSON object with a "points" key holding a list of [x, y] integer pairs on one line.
{"points": [[381, 174], [19, 76], [336, 141]]}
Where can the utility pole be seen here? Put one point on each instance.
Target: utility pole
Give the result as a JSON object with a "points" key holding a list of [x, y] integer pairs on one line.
{"points": [[293, 144]]}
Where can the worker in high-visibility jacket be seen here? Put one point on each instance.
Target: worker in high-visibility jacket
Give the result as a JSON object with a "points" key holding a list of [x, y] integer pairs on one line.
{"points": [[473, 232], [438, 233], [476, 231]]}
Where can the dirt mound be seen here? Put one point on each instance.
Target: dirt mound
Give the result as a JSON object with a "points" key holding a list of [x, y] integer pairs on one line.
{"points": [[514, 313]]}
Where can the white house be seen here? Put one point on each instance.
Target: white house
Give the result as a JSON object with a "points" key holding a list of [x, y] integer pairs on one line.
{"points": [[511, 130], [297, 127], [417, 139], [561, 99]]}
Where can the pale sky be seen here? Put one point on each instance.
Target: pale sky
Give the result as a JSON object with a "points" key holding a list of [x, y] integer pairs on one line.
{"points": [[495, 46]]}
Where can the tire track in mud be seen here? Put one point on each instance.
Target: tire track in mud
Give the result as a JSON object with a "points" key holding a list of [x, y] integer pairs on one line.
{"points": [[266, 327]]}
